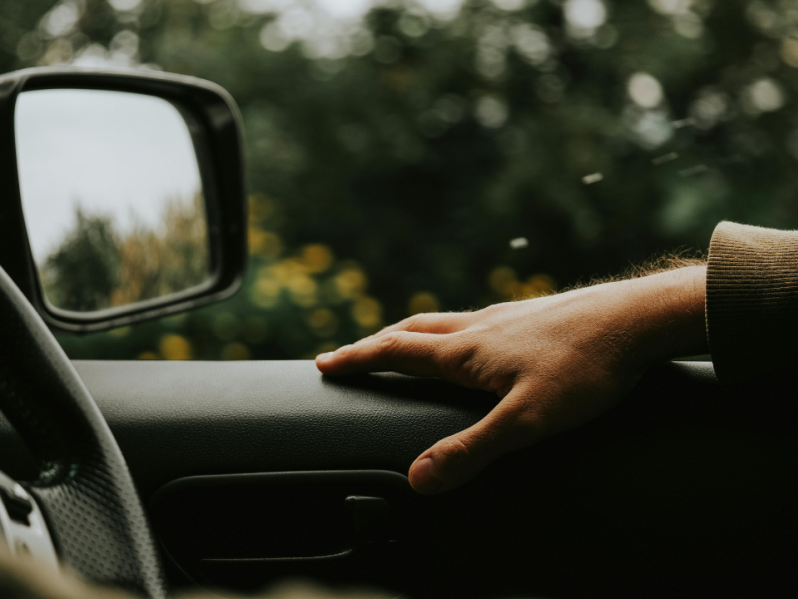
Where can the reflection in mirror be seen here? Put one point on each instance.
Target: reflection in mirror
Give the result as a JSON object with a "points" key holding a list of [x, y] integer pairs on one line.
{"points": [[112, 197]]}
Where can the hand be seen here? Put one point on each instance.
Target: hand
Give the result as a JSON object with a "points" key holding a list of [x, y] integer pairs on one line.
{"points": [[555, 362]]}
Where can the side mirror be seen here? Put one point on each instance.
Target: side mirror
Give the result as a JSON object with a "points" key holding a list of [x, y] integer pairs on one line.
{"points": [[124, 196]]}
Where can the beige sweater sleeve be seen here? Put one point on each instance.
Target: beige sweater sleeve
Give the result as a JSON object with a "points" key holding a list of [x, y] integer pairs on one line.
{"points": [[752, 300]]}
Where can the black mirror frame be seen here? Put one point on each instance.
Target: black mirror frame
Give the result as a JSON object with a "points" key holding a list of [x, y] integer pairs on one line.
{"points": [[218, 142]]}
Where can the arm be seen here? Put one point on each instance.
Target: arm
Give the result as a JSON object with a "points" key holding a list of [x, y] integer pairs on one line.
{"points": [[555, 362]]}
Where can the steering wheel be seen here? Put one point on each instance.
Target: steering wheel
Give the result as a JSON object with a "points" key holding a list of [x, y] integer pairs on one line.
{"points": [[83, 487]]}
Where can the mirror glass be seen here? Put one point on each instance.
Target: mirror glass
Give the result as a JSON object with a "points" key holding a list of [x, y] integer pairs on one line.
{"points": [[112, 197]]}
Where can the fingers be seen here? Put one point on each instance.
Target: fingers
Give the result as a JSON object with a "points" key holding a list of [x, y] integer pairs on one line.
{"points": [[395, 347], [436, 323], [419, 354], [457, 459]]}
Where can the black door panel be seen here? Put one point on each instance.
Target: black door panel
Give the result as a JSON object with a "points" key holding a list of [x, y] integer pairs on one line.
{"points": [[255, 527], [182, 419], [685, 489]]}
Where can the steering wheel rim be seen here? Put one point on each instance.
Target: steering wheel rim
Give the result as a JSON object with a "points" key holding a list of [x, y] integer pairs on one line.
{"points": [[83, 486]]}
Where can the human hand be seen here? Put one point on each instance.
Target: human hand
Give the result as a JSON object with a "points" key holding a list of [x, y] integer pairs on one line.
{"points": [[555, 362]]}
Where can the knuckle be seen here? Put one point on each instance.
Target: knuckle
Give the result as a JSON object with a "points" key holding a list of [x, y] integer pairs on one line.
{"points": [[493, 309], [459, 448], [412, 323], [388, 344], [457, 357], [454, 452]]}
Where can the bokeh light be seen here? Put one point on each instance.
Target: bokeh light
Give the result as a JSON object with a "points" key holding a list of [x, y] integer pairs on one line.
{"points": [[396, 151]]}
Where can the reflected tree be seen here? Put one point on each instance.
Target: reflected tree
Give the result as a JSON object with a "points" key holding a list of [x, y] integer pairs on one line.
{"points": [[97, 267], [155, 263], [84, 271]]}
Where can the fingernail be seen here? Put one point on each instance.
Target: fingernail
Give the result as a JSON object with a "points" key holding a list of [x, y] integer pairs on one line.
{"points": [[324, 357], [424, 477]]}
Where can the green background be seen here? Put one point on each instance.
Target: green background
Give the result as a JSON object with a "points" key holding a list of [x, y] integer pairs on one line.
{"points": [[389, 170]]}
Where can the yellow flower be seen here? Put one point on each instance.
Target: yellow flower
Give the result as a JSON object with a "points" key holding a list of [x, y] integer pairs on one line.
{"points": [[175, 347], [264, 243], [538, 285], [317, 258], [322, 322], [503, 281], [422, 301], [303, 290], [350, 282], [367, 312]]}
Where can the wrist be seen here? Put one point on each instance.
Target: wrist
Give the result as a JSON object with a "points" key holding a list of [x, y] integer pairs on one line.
{"points": [[672, 321]]}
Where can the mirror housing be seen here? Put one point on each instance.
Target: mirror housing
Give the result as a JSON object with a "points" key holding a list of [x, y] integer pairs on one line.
{"points": [[216, 135]]}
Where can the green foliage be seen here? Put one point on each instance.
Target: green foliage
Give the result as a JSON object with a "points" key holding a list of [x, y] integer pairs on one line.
{"points": [[415, 147], [97, 267], [83, 272]]}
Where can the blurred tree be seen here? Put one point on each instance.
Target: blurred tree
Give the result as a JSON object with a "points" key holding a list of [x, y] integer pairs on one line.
{"points": [[155, 263], [83, 272], [97, 267], [451, 154]]}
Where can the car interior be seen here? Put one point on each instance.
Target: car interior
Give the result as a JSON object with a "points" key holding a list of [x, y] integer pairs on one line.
{"points": [[160, 476]]}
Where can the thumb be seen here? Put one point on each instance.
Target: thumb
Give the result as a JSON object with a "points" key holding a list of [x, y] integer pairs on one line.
{"points": [[457, 459]]}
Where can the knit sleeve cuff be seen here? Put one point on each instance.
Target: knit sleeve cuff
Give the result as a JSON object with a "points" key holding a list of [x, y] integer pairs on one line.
{"points": [[752, 300]]}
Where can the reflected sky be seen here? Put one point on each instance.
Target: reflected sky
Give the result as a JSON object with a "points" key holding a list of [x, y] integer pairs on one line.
{"points": [[116, 153]]}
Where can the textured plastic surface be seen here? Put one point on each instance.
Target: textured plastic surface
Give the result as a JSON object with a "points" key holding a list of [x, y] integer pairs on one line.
{"points": [[687, 488], [176, 419], [82, 485], [181, 419]]}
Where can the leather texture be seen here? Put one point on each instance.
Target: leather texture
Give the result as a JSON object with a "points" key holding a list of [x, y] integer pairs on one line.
{"points": [[81, 480], [687, 484], [176, 419]]}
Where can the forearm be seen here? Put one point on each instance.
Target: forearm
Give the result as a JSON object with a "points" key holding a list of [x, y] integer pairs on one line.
{"points": [[643, 320], [673, 315]]}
